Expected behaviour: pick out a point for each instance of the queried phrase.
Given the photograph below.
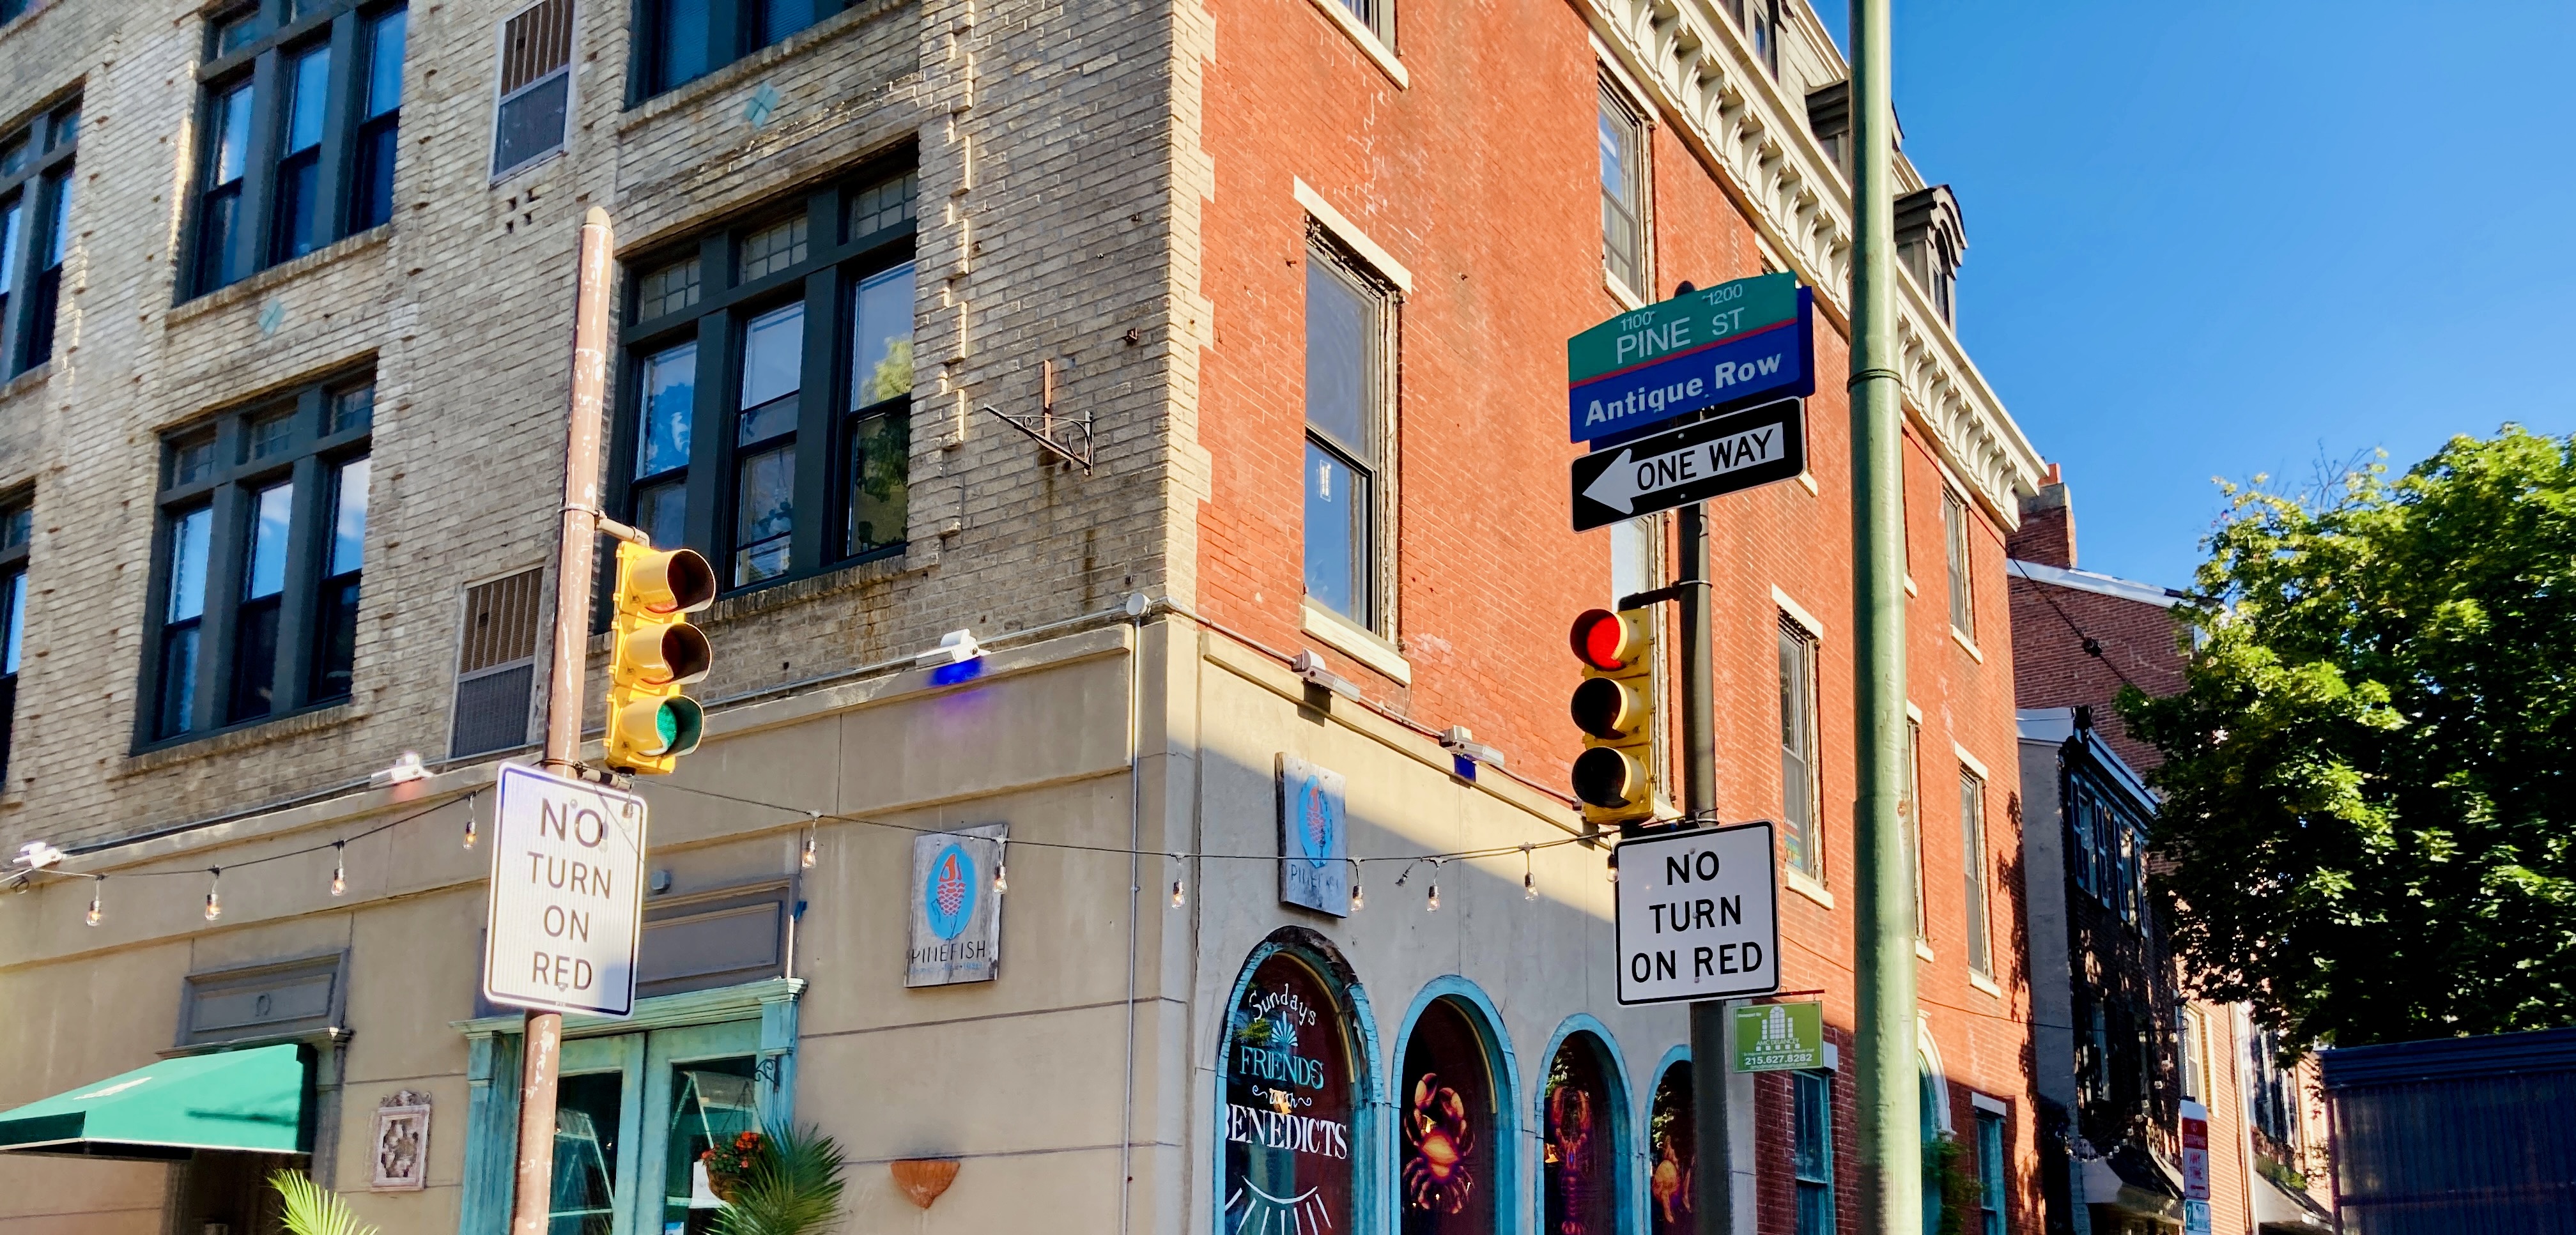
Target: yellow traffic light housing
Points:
(653, 653)
(1614, 777)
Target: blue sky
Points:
(2225, 239)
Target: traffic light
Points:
(1614, 777)
(654, 652)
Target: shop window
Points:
(1291, 1087)
(35, 233)
(1811, 1149)
(680, 41)
(1579, 1159)
(1349, 319)
(17, 522)
(1672, 1151)
(1447, 1156)
(635, 1108)
(768, 394)
(302, 116)
(261, 553)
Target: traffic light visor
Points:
(661, 655)
(1606, 640)
(1609, 778)
(668, 580)
(1609, 708)
(661, 727)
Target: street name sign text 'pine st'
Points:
(1702, 459)
(1698, 915)
(1725, 346)
(567, 909)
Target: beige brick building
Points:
(285, 347)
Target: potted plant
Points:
(312, 1209)
(727, 1162)
(789, 1184)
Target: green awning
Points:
(249, 1100)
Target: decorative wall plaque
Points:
(402, 1142)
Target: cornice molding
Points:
(1691, 57)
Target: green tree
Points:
(2370, 786)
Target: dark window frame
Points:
(350, 165)
(311, 456)
(1975, 862)
(1811, 1151)
(742, 26)
(826, 283)
(1958, 555)
(31, 270)
(17, 523)
(1807, 833)
(1371, 462)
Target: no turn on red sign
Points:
(1698, 915)
(567, 895)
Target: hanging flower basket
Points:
(728, 1162)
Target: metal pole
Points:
(533, 1200)
(1890, 1144)
(1713, 1172)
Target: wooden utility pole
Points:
(533, 1200)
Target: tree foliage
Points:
(312, 1209)
(2370, 786)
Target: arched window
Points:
(1446, 1154)
(1579, 1161)
(1672, 1152)
(1290, 1096)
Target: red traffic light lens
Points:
(1601, 640)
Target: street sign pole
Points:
(541, 1048)
(1713, 1179)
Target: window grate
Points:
(536, 43)
(501, 622)
(496, 664)
(536, 85)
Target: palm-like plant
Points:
(312, 1209)
(792, 1188)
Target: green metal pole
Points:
(1890, 1138)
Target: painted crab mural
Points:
(1436, 1127)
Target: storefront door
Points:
(634, 1112)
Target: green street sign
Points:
(1780, 1037)
(1681, 324)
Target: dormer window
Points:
(1932, 242)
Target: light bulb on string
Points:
(1180, 891)
(1359, 895)
(806, 858)
(215, 893)
(339, 868)
(98, 884)
(470, 800)
(1432, 905)
(1001, 867)
(1529, 875)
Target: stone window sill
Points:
(234, 741)
(1984, 983)
(1349, 639)
(258, 285)
(1806, 885)
(1377, 52)
(1967, 645)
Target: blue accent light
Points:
(962, 671)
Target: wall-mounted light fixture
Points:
(1310, 667)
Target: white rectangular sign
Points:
(567, 895)
(1698, 915)
(956, 931)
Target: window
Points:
(1447, 1153)
(1972, 859)
(2093, 1063)
(793, 456)
(1580, 1156)
(1623, 191)
(1811, 1150)
(680, 41)
(2187, 1047)
(1761, 20)
(35, 232)
(1954, 533)
(2084, 818)
(1375, 16)
(263, 532)
(1990, 1172)
(1914, 826)
(2124, 893)
(12, 10)
(303, 108)
(1294, 1071)
(1801, 831)
(1346, 408)
(17, 520)
(1672, 1150)
(536, 85)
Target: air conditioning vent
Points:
(496, 664)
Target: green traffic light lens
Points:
(666, 725)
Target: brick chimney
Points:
(2047, 532)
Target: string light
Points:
(1180, 892)
(98, 884)
(1529, 874)
(339, 868)
(1359, 895)
(215, 893)
(1433, 905)
(1002, 866)
(469, 818)
(806, 859)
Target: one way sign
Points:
(1699, 460)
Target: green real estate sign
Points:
(1780, 1037)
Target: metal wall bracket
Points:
(1042, 428)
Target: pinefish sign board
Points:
(956, 900)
